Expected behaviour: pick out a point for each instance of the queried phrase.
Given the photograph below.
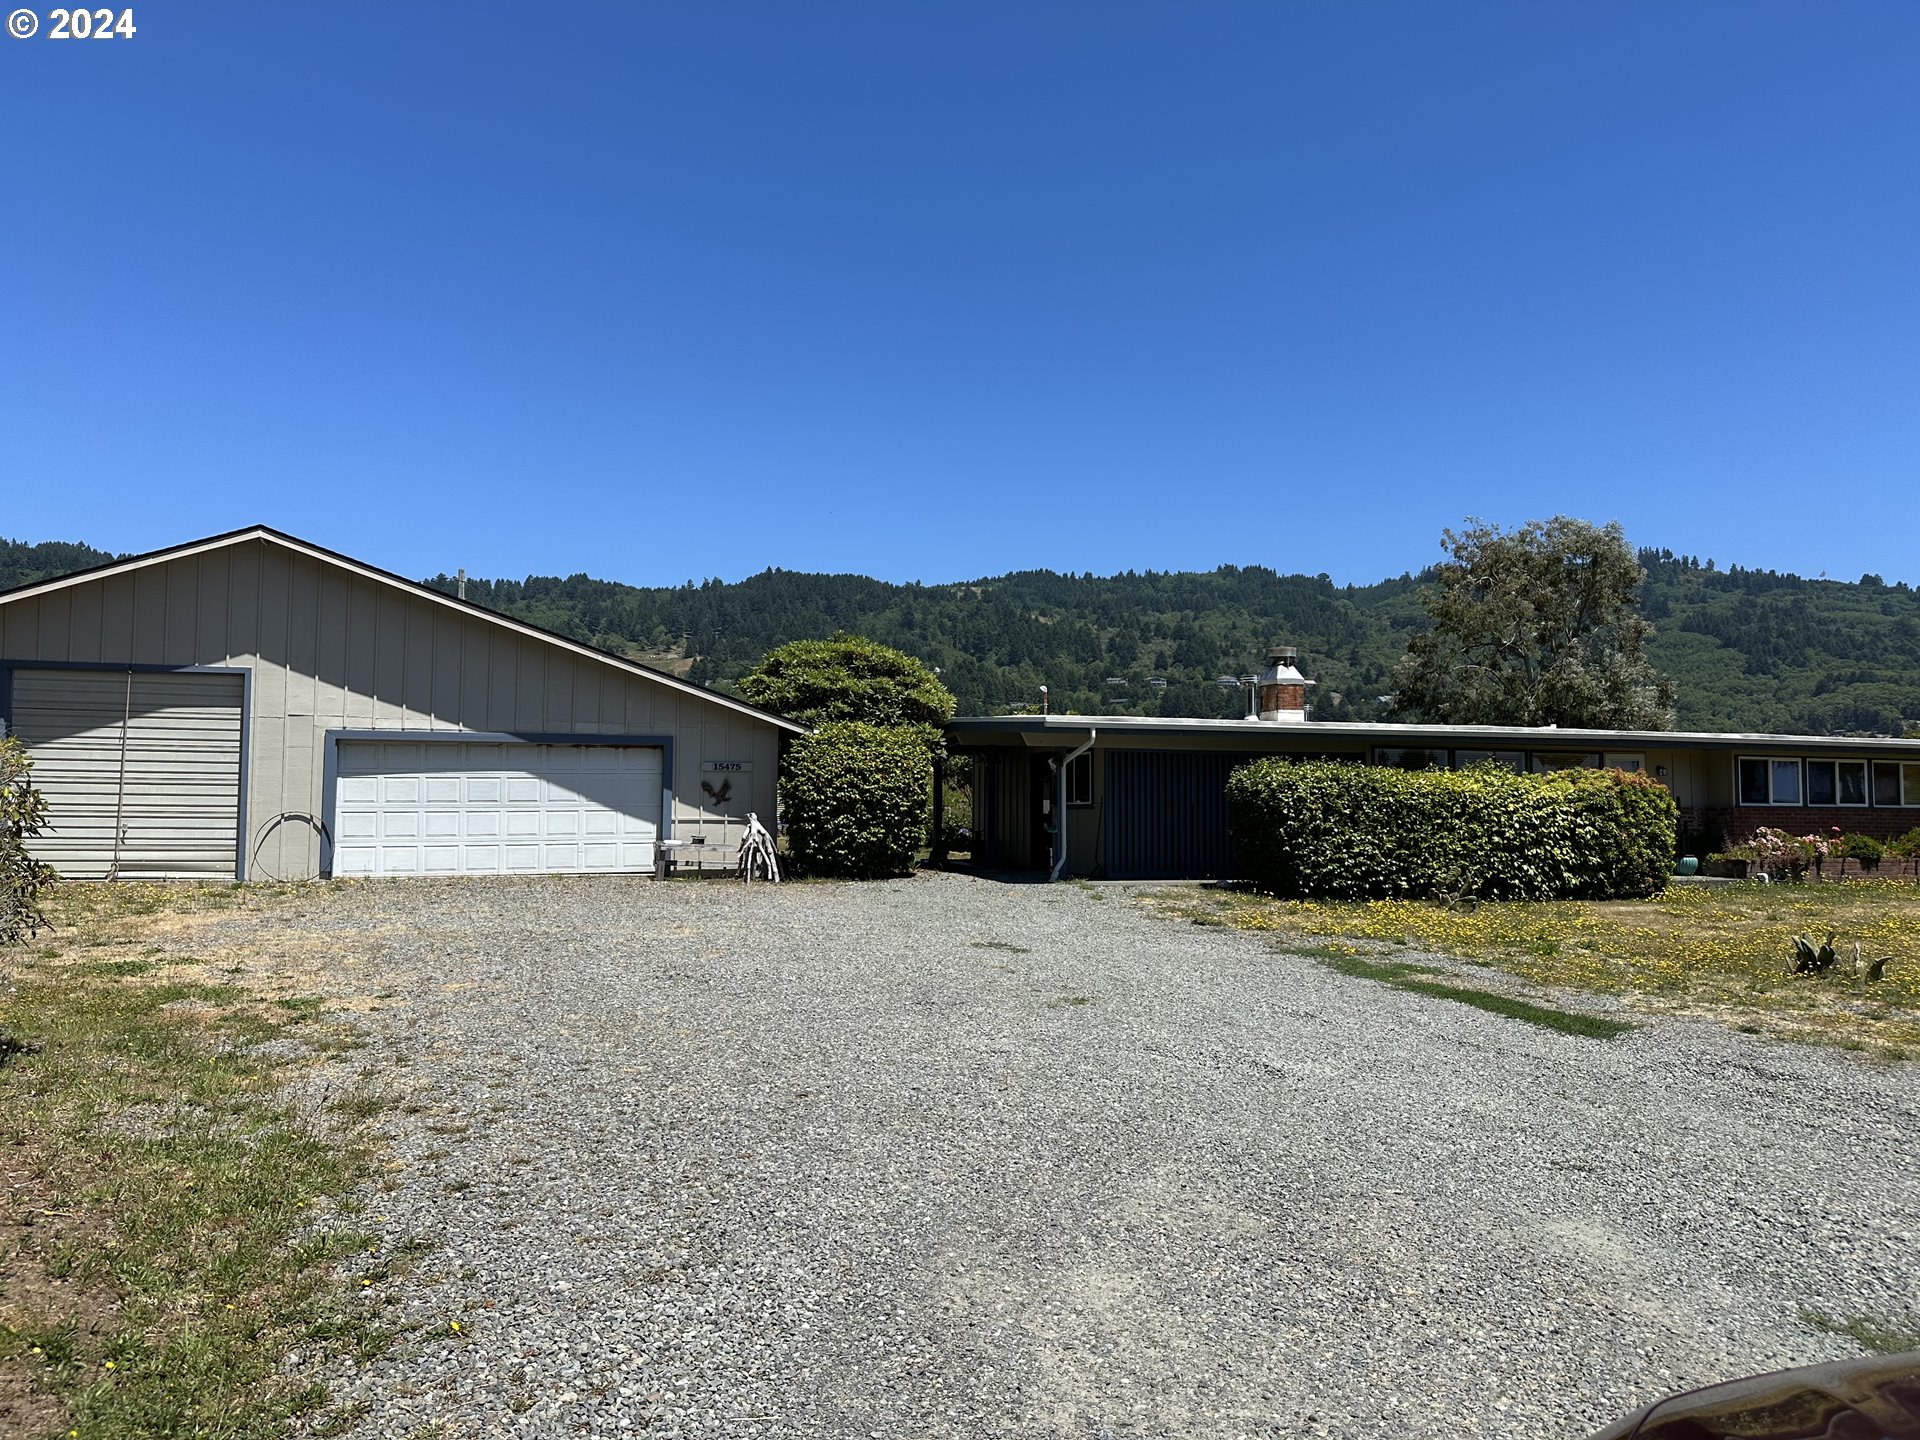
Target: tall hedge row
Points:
(1343, 831)
(855, 798)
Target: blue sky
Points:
(937, 291)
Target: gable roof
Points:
(400, 582)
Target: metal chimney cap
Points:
(1282, 652)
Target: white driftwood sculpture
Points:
(756, 852)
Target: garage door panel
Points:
(539, 808)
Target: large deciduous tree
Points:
(1536, 626)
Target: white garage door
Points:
(140, 770)
(469, 808)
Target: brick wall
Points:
(1738, 825)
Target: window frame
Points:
(1909, 794)
(1771, 764)
(1806, 766)
(1440, 757)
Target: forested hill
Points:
(1750, 649)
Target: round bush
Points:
(855, 799)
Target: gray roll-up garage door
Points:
(141, 771)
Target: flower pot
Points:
(1687, 865)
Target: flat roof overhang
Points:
(1049, 731)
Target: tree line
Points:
(1747, 649)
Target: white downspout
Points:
(1060, 807)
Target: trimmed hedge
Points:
(1368, 832)
(855, 799)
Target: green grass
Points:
(160, 1269)
(1713, 951)
(1875, 1335)
(1414, 978)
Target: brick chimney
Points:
(1283, 689)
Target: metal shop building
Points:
(1145, 798)
(255, 706)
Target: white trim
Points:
(1909, 799)
(464, 607)
(1865, 802)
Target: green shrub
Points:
(855, 799)
(1345, 831)
(849, 678)
(1906, 847)
(23, 879)
(1863, 848)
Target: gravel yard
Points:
(947, 1157)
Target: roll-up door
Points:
(445, 807)
(140, 770)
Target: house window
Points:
(1402, 759)
(1080, 780)
(1895, 784)
(1836, 782)
(1886, 784)
(1545, 762)
(1769, 782)
(1853, 781)
(1822, 787)
(1632, 764)
(1514, 760)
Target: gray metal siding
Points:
(141, 772)
(1166, 814)
(333, 650)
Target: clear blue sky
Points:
(941, 290)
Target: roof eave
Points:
(333, 557)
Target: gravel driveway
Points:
(944, 1157)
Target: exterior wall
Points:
(331, 650)
(1737, 824)
(1003, 780)
(1701, 779)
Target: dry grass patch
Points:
(171, 1223)
(1718, 951)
